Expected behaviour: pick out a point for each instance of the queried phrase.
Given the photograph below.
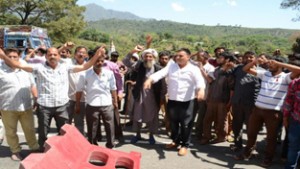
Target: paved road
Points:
(217, 156)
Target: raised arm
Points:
(15, 64)
(295, 70)
(67, 45)
(99, 53)
(156, 77)
(29, 55)
(251, 67)
(148, 41)
(126, 61)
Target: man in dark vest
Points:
(146, 102)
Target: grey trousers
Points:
(78, 118)
(45, 114)
(92, 119)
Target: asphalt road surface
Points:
(216, 156)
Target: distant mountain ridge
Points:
(95, 12)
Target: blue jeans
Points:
(294, 144)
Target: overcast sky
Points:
(247, 13)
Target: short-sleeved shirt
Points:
(246, 87)
(52, 84)
(273, 90)
(15, 89)
(73, 80)
(98, 87)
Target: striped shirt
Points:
(52, 84)
(15, 89)
(273, 90)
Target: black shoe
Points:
(130, 123)
(235, 148)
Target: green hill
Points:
(169, 35)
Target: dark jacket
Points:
(140, 79)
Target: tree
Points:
(296, 46)
(294, 4)
(94, 35)
(63, 18)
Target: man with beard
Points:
(268, 105)
(73, 107)
(52, 84)
(146, 102)
(217, 51)
(101, 98)
(163, 58)
(218, 101)
(185, 83)
(246, 88)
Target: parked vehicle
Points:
(23, 36)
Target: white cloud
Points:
(232, 2)
(177, 7)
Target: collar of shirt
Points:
(10, 69)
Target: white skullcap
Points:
(135, 55)
(152, 51)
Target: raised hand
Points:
(138, 48)
(69, 45)
(101, 51)
(148, 41)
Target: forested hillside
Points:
(172, 35)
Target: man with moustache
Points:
(79, 114)
(218, 101)
(185, 83)
(16, 87)
(52, 84)
(246, 88)
(146, 102)
(109, 65)
(101, 98)
(268, 105)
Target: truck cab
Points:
(23, 36)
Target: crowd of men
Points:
(215, 96)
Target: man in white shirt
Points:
(185, 83)
(16, 87)
(205, 68)
(52, 84)
(78, 116)
(101, 98)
